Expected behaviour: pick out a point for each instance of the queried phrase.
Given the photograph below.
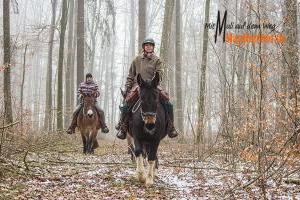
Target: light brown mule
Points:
(88, 124)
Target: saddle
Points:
(133, 94)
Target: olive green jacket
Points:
(146, 67)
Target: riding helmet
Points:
(148, 41)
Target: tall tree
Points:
(80, 42)
(69, 72)
(165, 38)
(290, 56)
(93, 27)
(48, 108)
(22, 84)
(178, 73)
(142, 22)
(63, 25)
(202, 81)
(132, 30)
(7, 64)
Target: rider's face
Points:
(148, 48)
(89, 79)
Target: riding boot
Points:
(172, 131)
(103, 127)
(122, 124)
(73, 125)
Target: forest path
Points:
(61, 171)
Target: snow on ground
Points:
(109, 174)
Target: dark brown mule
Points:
(147, 127)
(88, 124)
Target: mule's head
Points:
(88, 104)
(149, 97)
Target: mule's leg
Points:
(94, 142)
(130, 148)
(84, 142)
(156, 166)
(90, 141)
(140, 170)
(151, 159)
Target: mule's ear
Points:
(155, 80)
(139, 80)
(123, 93)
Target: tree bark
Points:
(69, 72)
(132, 30)
(178, 73)
(7, 63)
(59, 116)
(202, 83)
(290, 56)
(48, 108)
(80, 42)
(165, 38)
(22, 84)
(142, 22)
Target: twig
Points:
(9, 125)
(292, 181)
(88, 163)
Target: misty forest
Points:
(234, 99)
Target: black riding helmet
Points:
(148, 41)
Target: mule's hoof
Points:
(121, 135)
(70, 131)
(141, 177)
(173, 133)
(105, 130)
(149, 181)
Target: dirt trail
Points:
(63, 172)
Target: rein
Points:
(137, 105)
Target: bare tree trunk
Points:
(202, 82)
(22, 84)
(63, 25)
(74, 68)
(107, 77)
(112, 80)
(178, 56)
(290, 56)
(142, 22)
(69, 72)
(7, 63)
(80, 42)
(165, 38)
(170, 68)
(48, 108)
(132, 30)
